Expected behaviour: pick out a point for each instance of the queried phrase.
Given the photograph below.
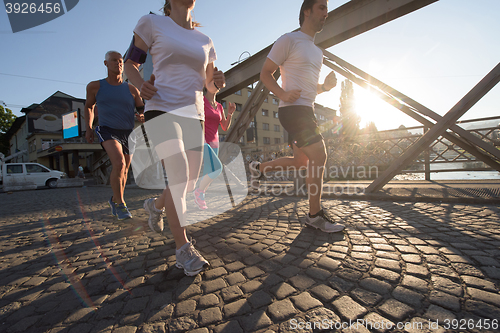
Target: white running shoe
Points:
(191, 260)
(322, 222)
(155, 220)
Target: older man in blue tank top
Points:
(116, 102)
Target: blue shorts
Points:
(105, 133)
(212, 165)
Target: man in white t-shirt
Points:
(300, 60)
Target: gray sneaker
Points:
(322, 222)
(155, 220)
(190, 259)
(255, 175)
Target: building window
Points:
(252, 124)
(267, 141)
(266, 100)
(276, 101)
(277, 128)
(265, 127)
(275, 114)
(222, 137)
(238, 106)
(265, 113)
(238, 93)
(277, 141)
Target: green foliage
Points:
(7, 118)
(349, 118)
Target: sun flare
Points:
(371, 108)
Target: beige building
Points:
(265, 137)
(39, 136)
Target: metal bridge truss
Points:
(380, 149)
(347, 21)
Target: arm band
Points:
(135, 54)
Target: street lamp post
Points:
(239, 59)
(255, 117)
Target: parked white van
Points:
(22, 173)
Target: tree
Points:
(7, 118)
(371, 128)
(350, 120)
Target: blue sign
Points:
(71, 124)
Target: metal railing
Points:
(79, 140)
(365, 155)
(380, 149)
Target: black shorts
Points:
(105, 133)
(301, 124)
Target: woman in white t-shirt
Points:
(183, 63)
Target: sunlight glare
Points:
(371, 108)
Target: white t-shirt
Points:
(180, 58)
(300, 63)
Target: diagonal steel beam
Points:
(344, 22)
(358, 16)
(472, 139)
(481, 89)
(480, 155)
(247, 113)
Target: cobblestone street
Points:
(67, 265)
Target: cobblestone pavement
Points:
(68, 266)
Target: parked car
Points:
(19, 173)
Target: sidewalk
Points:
(66, 265)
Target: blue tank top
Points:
(115, 106)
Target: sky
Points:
(434, 55)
